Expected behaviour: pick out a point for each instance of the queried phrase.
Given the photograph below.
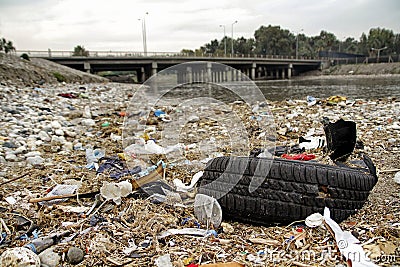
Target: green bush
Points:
(60, 78)
(25, 56)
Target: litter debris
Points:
(314, 220)
(207, 210)
(115, 191)
(348, 244)
(164, 261)
(180, 186)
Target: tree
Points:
(273, 40)
(187, 52)
(6, 46)
(79, 50)
(244, 46)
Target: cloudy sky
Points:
(175, 24)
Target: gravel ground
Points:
(46, 127)
(44, 133)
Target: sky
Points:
(172, 25)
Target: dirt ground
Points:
(128, 234)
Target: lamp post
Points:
(144, 33)
(297, 44)
(224, 39)
(232, 37)
(379, 51)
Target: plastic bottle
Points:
(40, 244)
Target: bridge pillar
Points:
(86, 66)
(290, 71)
(153, 68)
(253, 71)
(189, 75)
(283, 73)
(209, 73)
(276, 74)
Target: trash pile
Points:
(72, 194)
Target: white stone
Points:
(58, 140)
(193, 118)
(55, 125)
(33, 154)
(36, 160)
(87, 113)
(44, 136)
(68, 146)
(397, 177)
(49, 258)
(19, 256)
(11, 157)
(59, 132)
(70, 133)
(88, 122)
(20, 150)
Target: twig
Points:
(5, 226)
(14, 179)
(389, 170)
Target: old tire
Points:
(286, 190)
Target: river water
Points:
(366, 87)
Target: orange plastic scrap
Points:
(226, 264)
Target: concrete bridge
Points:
(255, 67)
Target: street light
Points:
(144, 33)
(232, 37)
(297, 43)
(379, 51)
(224, 40)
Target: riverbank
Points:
(35, 72)
(44, 134)
(361, 70)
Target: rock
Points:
(44, 136)
(49, 258)
(78, 146)
(11, 157)
(397, 177)
(392, 140)
(55, 125)
(36, 160)
(9, 144)
(87, 113)
(70, 133)
(59, 132)
(88, 122)
(20, 150)
(2, 160)
(193, 118)
(68, 146)
(57, 140)
(19, 257)
(75, 255)
(33, 154)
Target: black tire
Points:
(288, 190)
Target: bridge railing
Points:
(57, 53)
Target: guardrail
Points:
(51, 53)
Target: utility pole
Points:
(144, 33)
(232, 37)
(297, 44)
(224, 40)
